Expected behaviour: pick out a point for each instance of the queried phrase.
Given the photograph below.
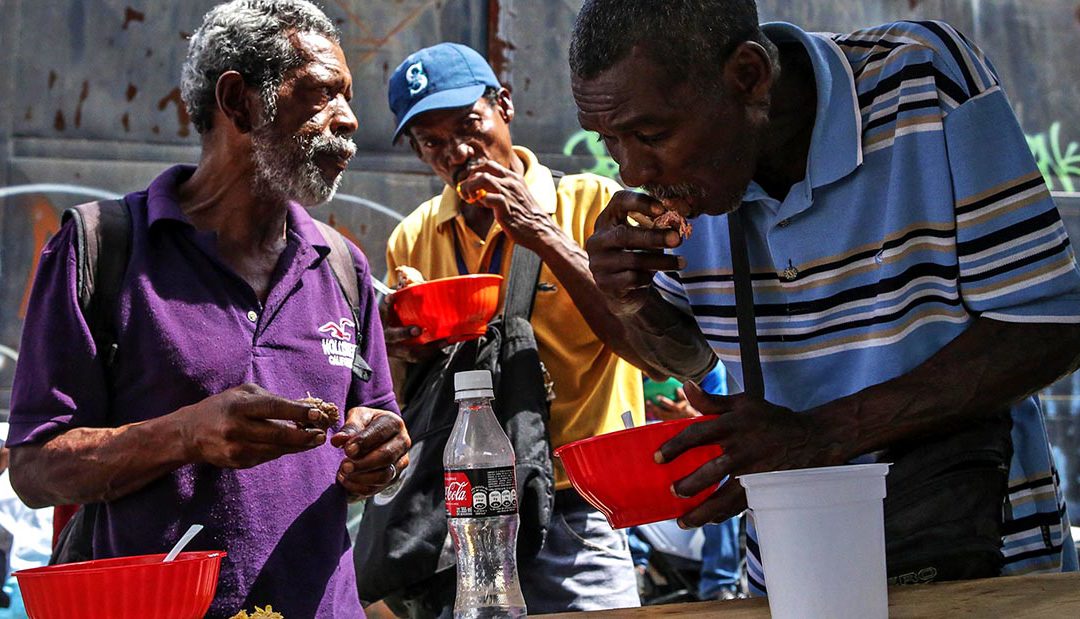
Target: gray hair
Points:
(685, 37)
(250, 37)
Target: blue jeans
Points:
(584, 565)
(720, 557)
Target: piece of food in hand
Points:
(472, 198)
(260, 613)
(328, 408)
(407, 276)
(668, 220)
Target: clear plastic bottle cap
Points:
(473, 384)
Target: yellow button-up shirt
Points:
(593, 386)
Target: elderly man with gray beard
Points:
(230, 314)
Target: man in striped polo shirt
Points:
(913, 283)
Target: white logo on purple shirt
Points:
(337, 330)
(339, 351)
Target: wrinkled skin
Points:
(692, 153)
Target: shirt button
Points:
(783, 223)
(252, 316)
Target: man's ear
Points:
(748, 74)
(236, 101)
(505, 106)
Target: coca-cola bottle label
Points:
(478, 493)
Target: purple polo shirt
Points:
(189, 328)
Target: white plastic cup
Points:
(821, 533)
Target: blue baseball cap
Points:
(439, 77)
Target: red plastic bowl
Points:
(123, 588)
(451, 308)
(617, 475)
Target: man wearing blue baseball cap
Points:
(456, 115)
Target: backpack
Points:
(99, 280)
(402, 551)
(402, 541)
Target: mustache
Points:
(678, 191)
(334, 146)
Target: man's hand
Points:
(246, 426)
(624, 258)
(504, 192)
(376, 446)
(401, 344)
(756, 436)
(666, 409)
(401, 339)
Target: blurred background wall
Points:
(90, 107)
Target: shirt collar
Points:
(163, 203)
(537, 178)
(836, 142)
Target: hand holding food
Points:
(327, 408)
(471, 197)
(247, 425)
(407, 276)
(668, 220)
(504, 191)
(623, 257)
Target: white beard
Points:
(285, 167)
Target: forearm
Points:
(88, 465)
(570, 264)
(670, 340)
(990, 366)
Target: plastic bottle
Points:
(481, 505)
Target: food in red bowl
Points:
(123, 588)
(616, 472)
(452, 308)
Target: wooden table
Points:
(1043, 596)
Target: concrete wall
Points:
(89, 99)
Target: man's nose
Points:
(343, 123)
(460, 152)
(636, 168)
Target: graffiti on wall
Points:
(1059, 164)
(588, 143)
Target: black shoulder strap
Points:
(524, 273)
(341, 263)
(103, 249)
(753, 383)
(521, 284)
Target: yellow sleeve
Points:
(591, 194)
(396, 254)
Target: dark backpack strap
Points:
(103, 248)
(753, 383)
(103, 224)
(521, 284)
(524, 273)
(341, 263)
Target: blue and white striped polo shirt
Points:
(921, 210)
